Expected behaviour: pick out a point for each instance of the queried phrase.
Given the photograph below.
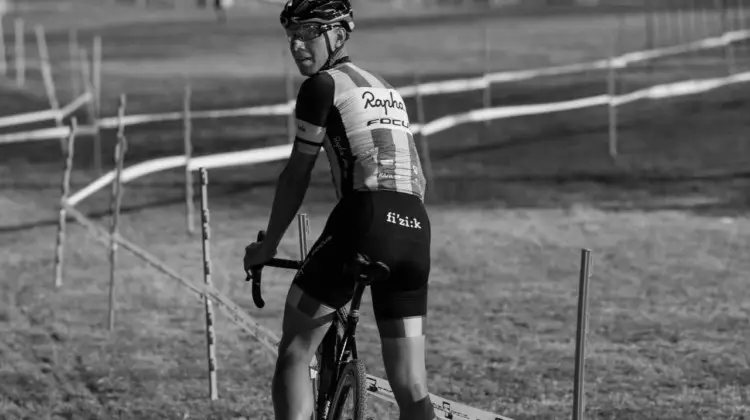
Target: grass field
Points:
(516, 201)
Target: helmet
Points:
(324, 12)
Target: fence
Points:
(281, 152)
(420, 90)
(85, 75)
(378, 387)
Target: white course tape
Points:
(44, 134)
(77, 103)
(39, 116)
(515, 76)
(29, 117)
(257, 111)
(274, 153)
(221, 160)
(431, 88)
(686, 87)
(449, 121)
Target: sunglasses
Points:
(306, 33)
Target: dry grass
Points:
(669, 307)
(668, 329)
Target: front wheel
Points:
(350, 400)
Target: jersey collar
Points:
(342, 60)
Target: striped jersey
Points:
(361, 122)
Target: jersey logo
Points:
(388, 121)
(405, 221)
(389, 103)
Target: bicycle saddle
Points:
(366, 271)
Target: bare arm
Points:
(290, 191)
(314, 103)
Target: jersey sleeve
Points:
(314, 103)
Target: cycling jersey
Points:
(362, 123)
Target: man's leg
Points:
(403, 344)
(305, 323)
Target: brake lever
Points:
(254, 275)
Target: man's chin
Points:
(307, 70)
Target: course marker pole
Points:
(303, 228)
(115, 204)
(74, 62)
(582, 326)
(187, 125)
(487, 56)
(729, 53)
(291, 121)
(424, 151)
(20, 53)
(49, 81)
(96, 71)
(210, 332)
(612, 92)
(68, 168)
(91, 110)
(649, 15)
(3, 62)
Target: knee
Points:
(294, 351)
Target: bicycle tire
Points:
(351, 381)
(326, 355)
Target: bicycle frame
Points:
(344, 350)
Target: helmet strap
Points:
(332, 53)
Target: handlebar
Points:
(254, 274)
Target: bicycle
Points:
(337, 371)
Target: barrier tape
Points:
(262, 334)
(257, 111)
(221, 160)
(378, 387)
(444, 123)
(426, 89)
(687, 87)
(30, 117)
(39, 116)
(44, 134)
(466, 85)
(276, 153)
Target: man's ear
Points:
(341, 36)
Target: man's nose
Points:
(296, 44)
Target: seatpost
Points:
(353, 318)
(349, 344)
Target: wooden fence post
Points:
(115, 204)
(61, 222)
(187, 125)
(210, 332)
(20, 53)
(424, 151)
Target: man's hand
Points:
(256, 254)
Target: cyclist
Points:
(362, 123)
